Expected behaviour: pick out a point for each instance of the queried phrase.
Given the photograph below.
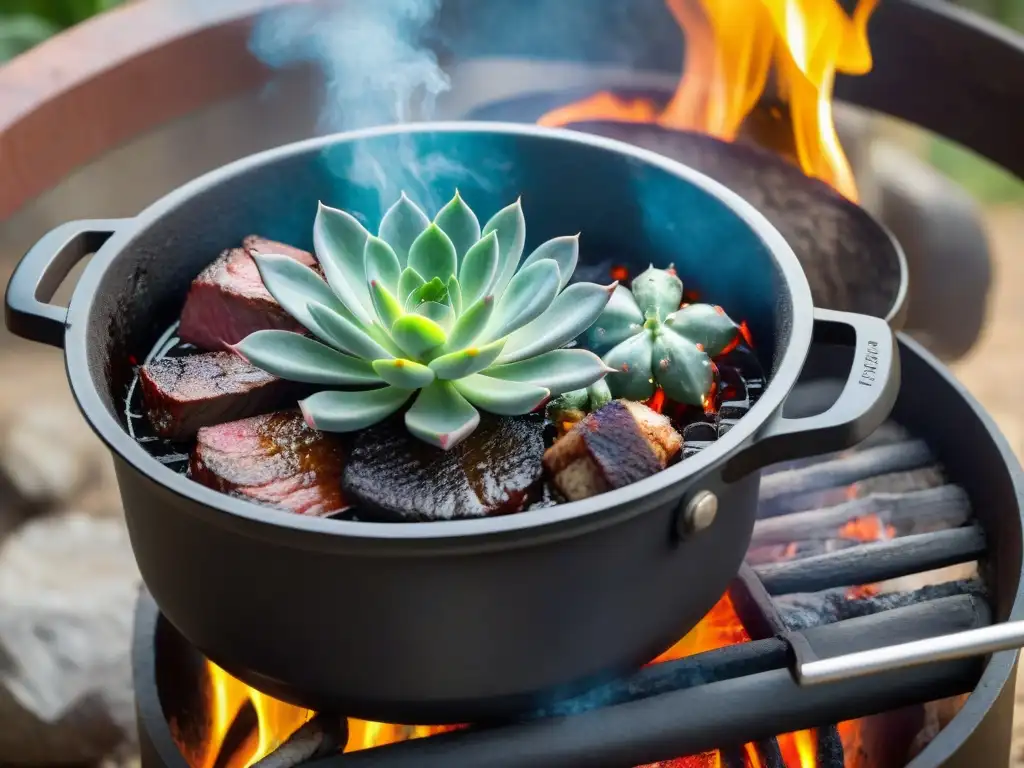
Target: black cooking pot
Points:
(461, 620)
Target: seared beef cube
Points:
(182, 394)
(393, 476)
(618, 444)
(228, 300)
(275, 459)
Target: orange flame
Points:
(731, 48)
(867, 529)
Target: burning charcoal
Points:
(617, 445)
(273, 459)
(228, 300)
(395, 477)
(182, 394)
(699, 432)
(812, 609)
(732, 410)
(724, 426)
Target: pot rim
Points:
(627, 501)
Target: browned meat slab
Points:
(182, 394)
(228, 300)
(393, 476)
(273, 459)
(616, 445)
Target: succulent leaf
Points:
(440, 313)
(345, 335)
(573, 311)
(527, 296)
(620, 319)
(381, 264)
(510, 227)
(441, 416)
(470, 324)
(339, 241)
(455, 294)
(295, 285)
(434, 290)
(348, 411)
(401, 225)
(631, 360)
(478, 268)
(458, 221)
(408, 282)
(433, 255)
(682, 368)
(466, 362)
(560, 370)
(564, 251)
(297, 358)
(407, 374)
(445, 308)
(417, 335)
(704, 324)
(385, 305)
(599, 394)
(505, 398)
(657, 292)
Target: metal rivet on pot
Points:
(699, 513)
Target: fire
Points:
(867, 529)
(732, 46)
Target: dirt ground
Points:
(996, 364)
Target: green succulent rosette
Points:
(438, 311)
(651, 342)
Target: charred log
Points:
(869, 563)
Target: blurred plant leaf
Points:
(24, 23)
(19, 33)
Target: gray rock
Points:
(48, 454)
(68, 584)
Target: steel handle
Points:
(959, 645)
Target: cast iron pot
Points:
(463, 620)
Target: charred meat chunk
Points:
(395, 477)
(275, 459)
(618, 444)
(228, 300)
(182, 394)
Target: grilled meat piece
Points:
(182, 394)
(618, 444)
(228, 300)
(393, 476)
(275, 459)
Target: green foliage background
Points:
(24, 23)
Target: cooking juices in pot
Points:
(476, 344)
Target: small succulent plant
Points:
(651, 342)
(441, 308)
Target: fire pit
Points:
(918, 75)
(912, 499)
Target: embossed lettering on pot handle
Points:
(865, 402)
(40, 273)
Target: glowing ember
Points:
(731, 48)
(867, 529)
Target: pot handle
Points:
(863, 405)
(40, 273)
